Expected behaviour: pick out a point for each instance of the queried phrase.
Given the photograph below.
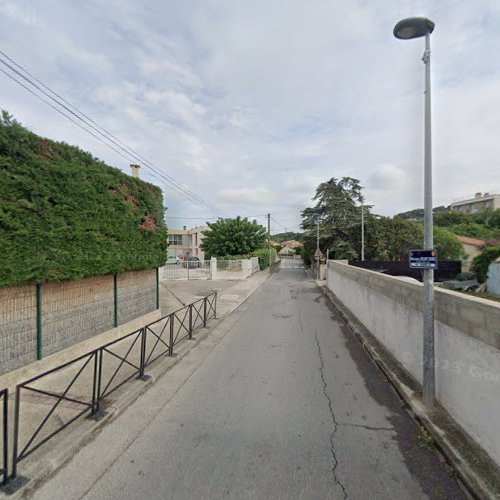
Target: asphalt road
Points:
(286, 406)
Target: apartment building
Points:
(186, 242)
(481, 201)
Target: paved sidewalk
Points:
(36, 405)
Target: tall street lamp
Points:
(362, 228)
(417, 27)
(317, 243)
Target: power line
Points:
(103, 133)
(182, 190)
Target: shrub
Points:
(263, 255)
(481, 262)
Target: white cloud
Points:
(253, 104)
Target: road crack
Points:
(332, 415)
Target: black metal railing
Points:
(172, 329)
(4, 395)
(97, 374)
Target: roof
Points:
(465, 240)
(493, 243)
(292, 244)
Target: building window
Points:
(175, 239)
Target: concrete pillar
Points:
(213, 268)
(246, 267)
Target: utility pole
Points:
(269, 237)
(317, 244)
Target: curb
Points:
(471, 463)
(39, 472)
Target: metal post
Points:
(157, 288)
(16, 432)
(38, 321)
(205, 312)
(428, 371)
(362, 229)
(269, 237)
(5, 436)
(317, 243)
(99, 378)
(190, 312)
(215, 306)
(93, 410)
(115, 291)
(171, 346)
(142, 361)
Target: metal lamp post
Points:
(317, 243)
(417, 27)
(362, 228)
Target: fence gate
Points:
(187, 270)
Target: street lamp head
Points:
(413, 27)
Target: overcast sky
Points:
(251, 104)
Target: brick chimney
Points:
(135, 170)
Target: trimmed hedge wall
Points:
(65, 215)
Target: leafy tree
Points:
(396, 237)
(338, 209)
(447, 244)
(233, 237)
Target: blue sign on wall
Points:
(423, 259)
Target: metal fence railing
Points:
(4, 396)
(47, 404)
(187, 270)
(165, 333)
(229, 265)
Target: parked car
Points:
(463, 281)
(173, 260)
(192, 262)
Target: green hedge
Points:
(263, 255)
(65, 215)
(481, 262)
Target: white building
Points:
(186, 242)
(477, 204)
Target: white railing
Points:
(187, 270)
(214, 269)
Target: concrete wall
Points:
(72, 311)
(467, 342)
(493, 282)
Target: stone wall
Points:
(71, 312)
(467, 342)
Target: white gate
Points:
(187, 270)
